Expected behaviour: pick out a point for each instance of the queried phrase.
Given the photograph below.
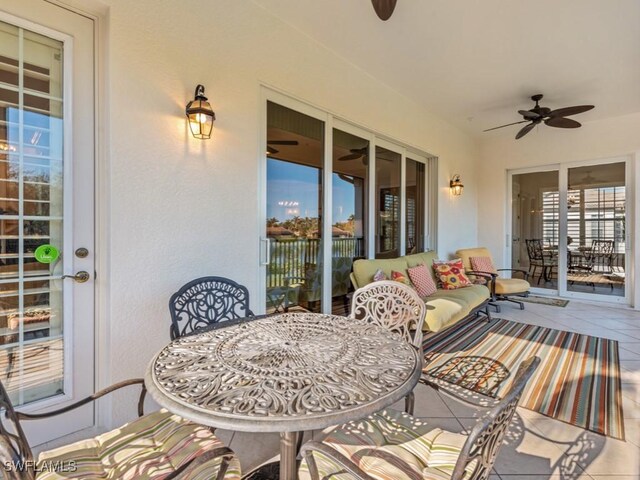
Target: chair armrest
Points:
(307, 453)
(523, 272)
(91, 398)
(477, 273)
(489, 276)
(185, 470)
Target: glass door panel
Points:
(295, 155)
(387, 192)
(349, 215)
(596, 229)
(31, 214)
(535, 226)
(416, 193)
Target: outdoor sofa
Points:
(449, 306)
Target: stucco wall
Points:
(604, 139)
(181, 208)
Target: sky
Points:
(292, 190)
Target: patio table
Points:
(285, 373)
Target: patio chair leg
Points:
(409, 402)
(515, 301)
(494, 305)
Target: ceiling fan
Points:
(553, 118)
(355, 154)
(273, 151)
(384, 8)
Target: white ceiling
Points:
(476, 62)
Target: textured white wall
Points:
(182, 208)
(546, 146)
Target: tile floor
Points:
(537, 447)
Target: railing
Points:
(289, 257)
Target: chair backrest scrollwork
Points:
(206, 301)
(392, 305)
(534, 249)
(486, 437)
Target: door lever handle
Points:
(79, 277)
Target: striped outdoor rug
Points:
(578, 380)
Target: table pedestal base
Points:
(287, 467)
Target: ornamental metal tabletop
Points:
(284, 373)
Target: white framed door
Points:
(581, 215)
(47, 212)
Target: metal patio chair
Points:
(391, 444)
(206, 301)
(396, 307)
(157, 446)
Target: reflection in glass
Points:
(535, 226)
(596, 228)
(31, 208)
(416, 186)
(295, 153)
(387, 203)
(349, 216)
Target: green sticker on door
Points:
(46, 253)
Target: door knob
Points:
(79, 277)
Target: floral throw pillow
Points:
(451, 274)
(379, 275)
(422, 280)
(400, 277)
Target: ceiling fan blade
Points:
(526, 129)
(507, 125)
(351, 156)
(562, 122)
(384, 8)
(271, 150)
(282, 142)
(528, 115)
(568, 111)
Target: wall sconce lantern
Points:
(456, 185)
(200, 115)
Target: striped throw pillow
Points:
(422, 280)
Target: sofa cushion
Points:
(363, 270)
(505, 286)
(453, 305)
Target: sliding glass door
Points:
(569, 229)
(596, 229)
(333, 193)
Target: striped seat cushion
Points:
(150, 447)
(375, 442)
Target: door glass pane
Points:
(596, 227)
(416, 190)
(349, 216)
(295, 153)
(31, 139)
(387, 203)
(535, 227)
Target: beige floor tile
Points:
(254, 449)
(592, 452)
(429, 404)
(631, 390)
(615, 477)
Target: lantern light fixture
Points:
(455, 184)
(200, 115)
